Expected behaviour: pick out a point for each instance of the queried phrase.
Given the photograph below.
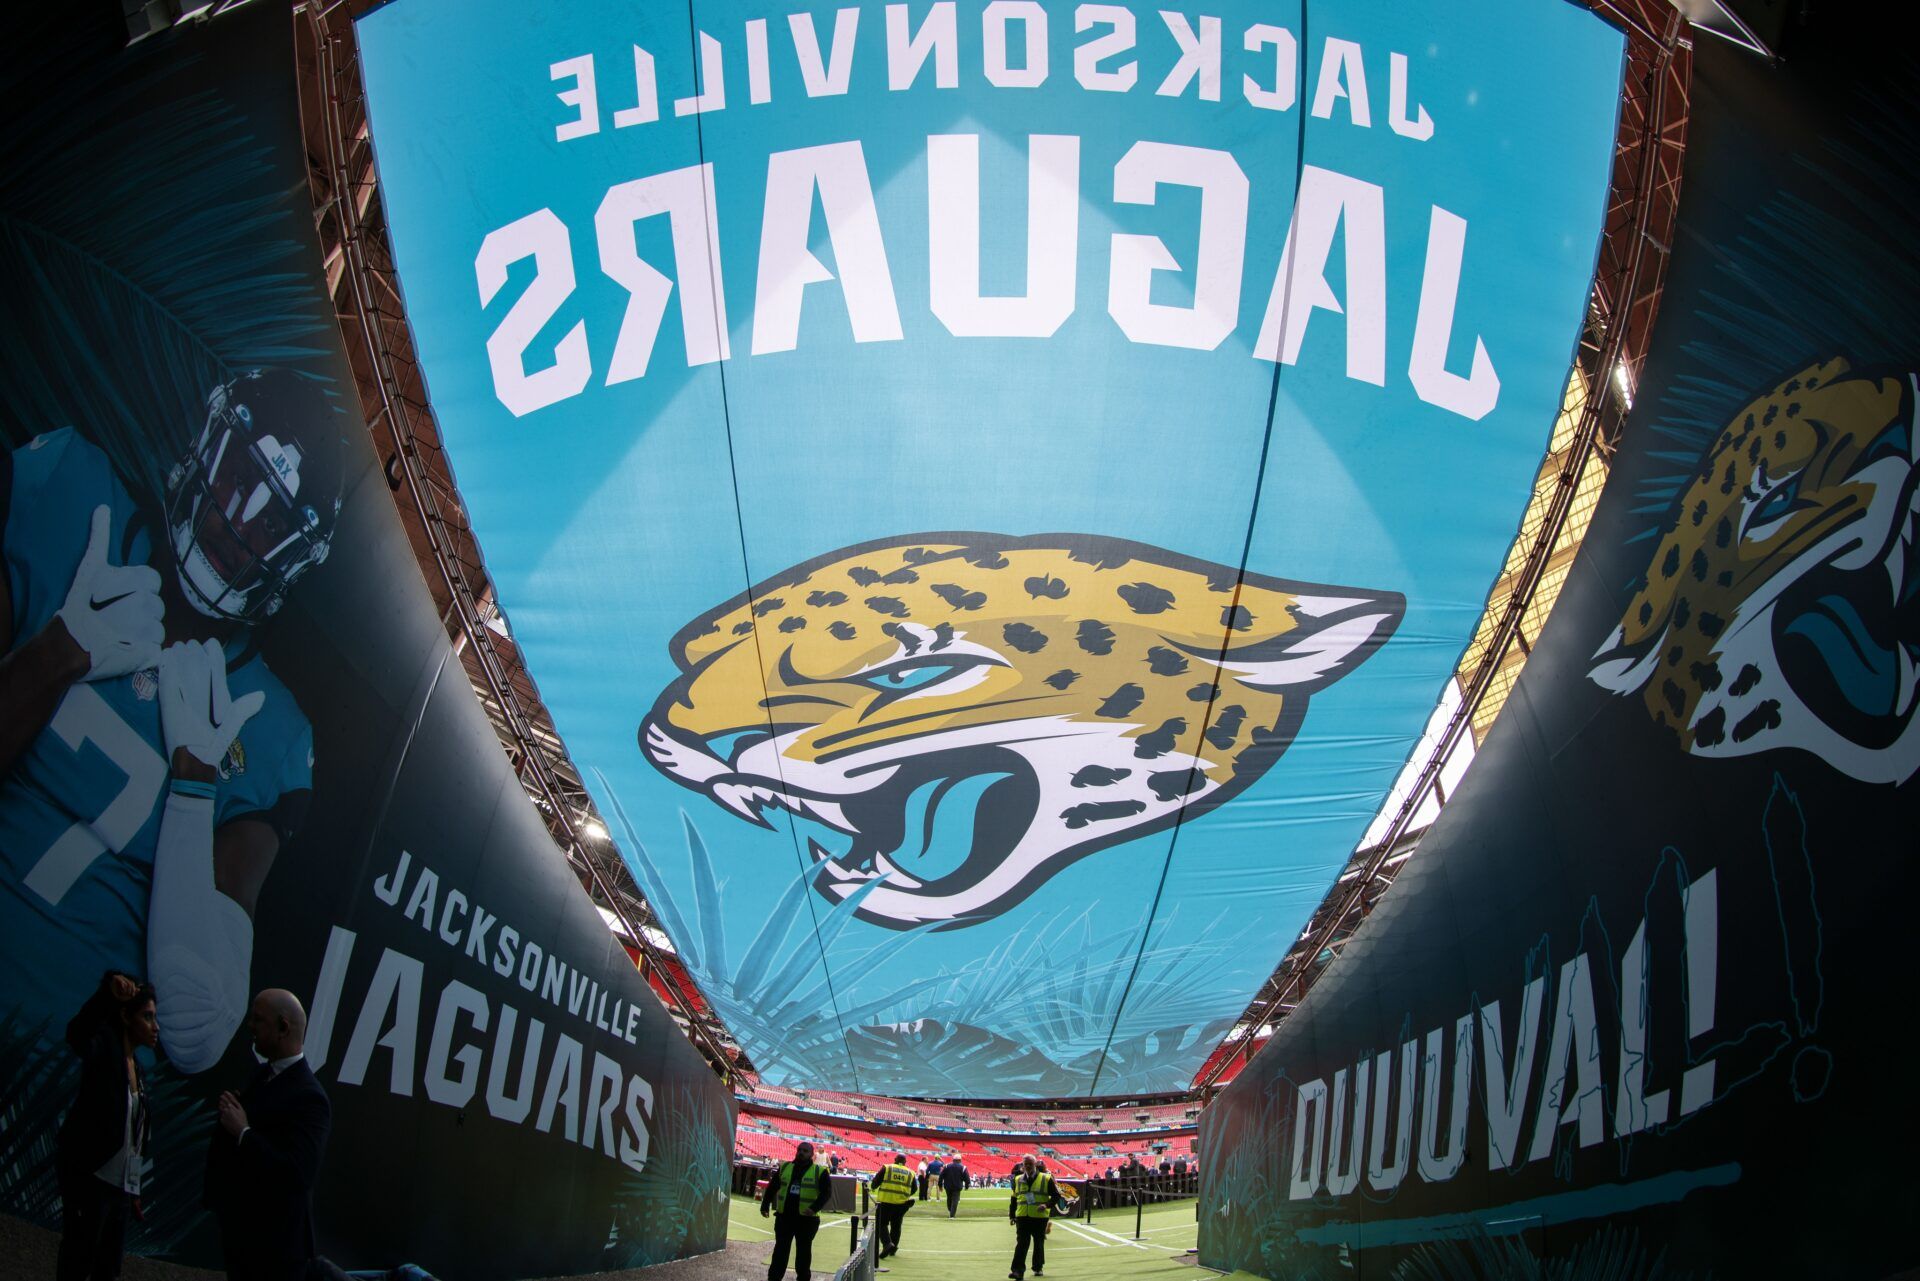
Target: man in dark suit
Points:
(265, 1157)
(953, 1179)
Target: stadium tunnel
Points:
(1305, 612)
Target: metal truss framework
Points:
(361, 280)
(1642, 204)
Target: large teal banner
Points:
(991, 493)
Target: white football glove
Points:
(195, 710)
(199, 941)
(113, 612)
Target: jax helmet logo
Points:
(959, 716)
(1781, 607)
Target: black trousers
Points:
(93, 1228)
(1029, 1230)
(245, 1259)
(889, 1218)
(953, 1202)
(795, 1231)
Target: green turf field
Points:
(980, 1243)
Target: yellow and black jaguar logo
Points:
(1780, 607)
(959, 716)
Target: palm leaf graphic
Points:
(141, 266)
(1055, 983)
(1612, 1254)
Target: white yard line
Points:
(1138, 1245)
(754, 1227)
(1080, 1231)
(1006, 1251)
(738, 1218)
(1112, 1238)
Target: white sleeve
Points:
(199, 941)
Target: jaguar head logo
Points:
(1780, 607)
(960, 716)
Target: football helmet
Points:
(252, 505)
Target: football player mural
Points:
(151, 765)
(204, 579)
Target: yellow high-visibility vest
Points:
(894, 1185)
(809, 1188)
(1033, 1198)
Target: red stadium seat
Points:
(867, 1131)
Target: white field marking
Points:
(1003, 1251)
(1080, 1231)
(1106, 1237)
(748, 1227)
(1138, 1245)
(825, 1224)
(1155, 1245)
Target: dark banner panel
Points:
(1635, 1009)
(236, 749)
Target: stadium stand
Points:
(763, 1138)
(973, 1118)
(868, 1130)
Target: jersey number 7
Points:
(84, 716)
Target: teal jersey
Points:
(80, 809)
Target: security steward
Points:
(795, 1196)
(1035, 1198)
(892, 1194)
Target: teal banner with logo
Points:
(992, 493)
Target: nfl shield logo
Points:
(235, 761)
(146, 683)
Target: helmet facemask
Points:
(239, 526)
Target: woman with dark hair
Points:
(102, 1146)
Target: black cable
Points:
(740, 526)
(1246, 545)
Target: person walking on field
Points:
(931, 1187)
(1035, 1199)
(795, 1196)
(892, 1194)
(953, 1180)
